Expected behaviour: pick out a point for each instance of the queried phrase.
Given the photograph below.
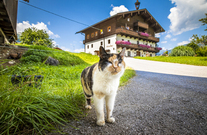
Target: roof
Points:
(144, 12)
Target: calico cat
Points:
(101, 82)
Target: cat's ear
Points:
(122, 53)
(102, 52)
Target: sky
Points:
(179, 18)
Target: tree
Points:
(36, 37)
(204, 20)
(193, 45)
(200, 41)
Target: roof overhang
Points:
(142, 12)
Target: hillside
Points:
(58, 97)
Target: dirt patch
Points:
(6, 50)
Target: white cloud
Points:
(64, 48)
(48, 23)
(168, 36)
(119, 9)
(183, 43)
(81, 42)
(79, 50)
(157, 35)
(174, 39)
(164, 42)
(40, 26)
(185, 15)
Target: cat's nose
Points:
(115, 68)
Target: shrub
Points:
(202, 51)
(182, 51)
(34, 56)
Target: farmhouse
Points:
(134, 30)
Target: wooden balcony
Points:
(135, 34)
(137, 47)
(143, 25)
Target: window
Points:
(96, 33)
(101, 43)
(128, 19)
(122, 39)
(91, 45)
(128, 40)
(92, 35)
(109, 29)
(113, 48)
(87, 46)
(88, 36)
(101, 31)
(109, 41)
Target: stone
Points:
(52, 61)
(11, 62)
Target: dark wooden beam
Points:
(119, 17)
(3, 10)
(150, 18)
(154, 24)
(4, 16)
(123, 15)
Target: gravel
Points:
(153, 103)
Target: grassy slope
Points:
(60, 95)
(199, 61)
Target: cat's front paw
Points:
(111, 120)
(88, 107)
(100, 122)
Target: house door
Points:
(138, 53)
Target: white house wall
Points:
(97, 44)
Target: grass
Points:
(198, 61)
(25, 110)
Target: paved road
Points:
(166, 100)
(167, 68)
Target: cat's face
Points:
(112, 63)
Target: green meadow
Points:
(198, 61)
(59, 98)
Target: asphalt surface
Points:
(155, 102)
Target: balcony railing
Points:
(136, 34)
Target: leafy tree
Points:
(36, 37)
(200, 41)
(182, 51)
(204, 20)
(202, 51)
(193, 45)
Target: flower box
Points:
(144, 34)
(144, 46)
(123, 42)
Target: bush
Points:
(202, 51)
(34, 56)
(182, 51)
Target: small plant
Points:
(182, 51)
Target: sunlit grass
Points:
(26, 110)
(198, 61)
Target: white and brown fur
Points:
(101, 82)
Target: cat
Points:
(101, 82)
